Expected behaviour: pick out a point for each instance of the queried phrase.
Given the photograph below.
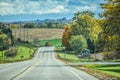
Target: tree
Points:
(87, 12)
(88, 27)
(65, 40)
(30, 25)
(91, 45)
(14, 28)
(2, 25)
(78, 43)
(44, 25)
(8, 32)
(112, 16)
(5, 42)
(111, 25)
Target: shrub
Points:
(78, 43)
(12, 52)
(47, 44)
(111, 56)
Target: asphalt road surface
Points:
(44, 66)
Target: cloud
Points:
(15, 7)
(4, 4)
(30, 7)
(87, 7)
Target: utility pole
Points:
(27, 35)
(24, 33)
(20, 31)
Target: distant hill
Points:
(62, 20)
(46, 23)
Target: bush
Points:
(111, 56)
(78, 43)
(47, 44)
(12, 52)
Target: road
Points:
(44, 66)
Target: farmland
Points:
(38, 33)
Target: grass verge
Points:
(102, 72)
(70, 56)
(111, 69)
(24, 53)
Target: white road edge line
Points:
(75, 74)
(20, 73)
(71, 71)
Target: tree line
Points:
(9, 39)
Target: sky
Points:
(28, 10)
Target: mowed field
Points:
(37, 33)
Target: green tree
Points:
(78, 43)
(87, 12)
(5, 42)
(88, 27)
(30, 25)
(2, 25)
(111, 25)
(112, 16)
(8, 32)
(43, 25)
(14, 28)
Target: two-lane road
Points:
(43, 67)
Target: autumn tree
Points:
(87, 26)
(65, 40)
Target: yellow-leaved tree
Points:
(88, 27)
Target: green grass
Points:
(24, 50)
(117, 60)
(53, 42)
(0, 53)
(109, 69)
(70, 56)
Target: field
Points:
(109, 69)
(52, 42)
(38, 33)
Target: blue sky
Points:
(27, 10)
